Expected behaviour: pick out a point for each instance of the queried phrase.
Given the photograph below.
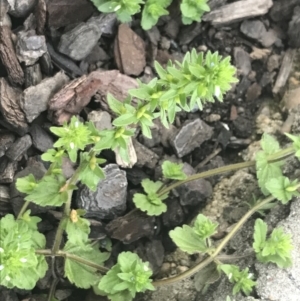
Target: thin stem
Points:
(52, 289)
(279, 156)
(23, 209)
(76, 258)
(67, 209)
(214, 255)
(207, 174)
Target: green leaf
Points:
(152, 205)
(260, 235)
(151, 187)
(266, 171)
(173, 171)
(83, 276)
(187, 240)
(47, 192)
(241, 278)
(129, 276)
(277, 248)
(296, 143)
(26, 184)
(115, 105)
(204, 227)
(77, 228)
(283, 189)
(19, 265)
(92, 173)
(73, 137)
(125, 119)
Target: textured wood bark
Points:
(10, 107)
(237, 11)
(285, 70)
(9, 58)
(40, 15)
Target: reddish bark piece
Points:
(129, 51)
(115, 83)
(65, 12)
(9, 58)
(71, 99)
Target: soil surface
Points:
(60, 58)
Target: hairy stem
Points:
(279, 156)
(76, 258)
(219, 248)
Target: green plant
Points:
(22, 246)
(192, 10)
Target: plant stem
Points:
(207, 174)
(279, 156)
(79, 259)
(67, 208)
(214, 255)
(23, 209)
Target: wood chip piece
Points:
(237, 11)
(285, 70)
(129, 50)
(9, 58)
(10, 107)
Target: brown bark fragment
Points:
(9, 58)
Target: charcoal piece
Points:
(40, 138)
(64, 62)
(131, 227)
(9, 58)
(33, 75)
(243, 127)
(13, 116)
(153, 252)
(65, 12)
(145, 156)
(191, 135)
(7, 170)
(6, 140)
(136, 175)
(243, 86)
(282, 9)
(19, 148)
(174, 216)
(109, 199)
(71, 42)
(195, 192)
(8, 295)
(17, 198)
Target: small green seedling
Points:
(152, 10)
